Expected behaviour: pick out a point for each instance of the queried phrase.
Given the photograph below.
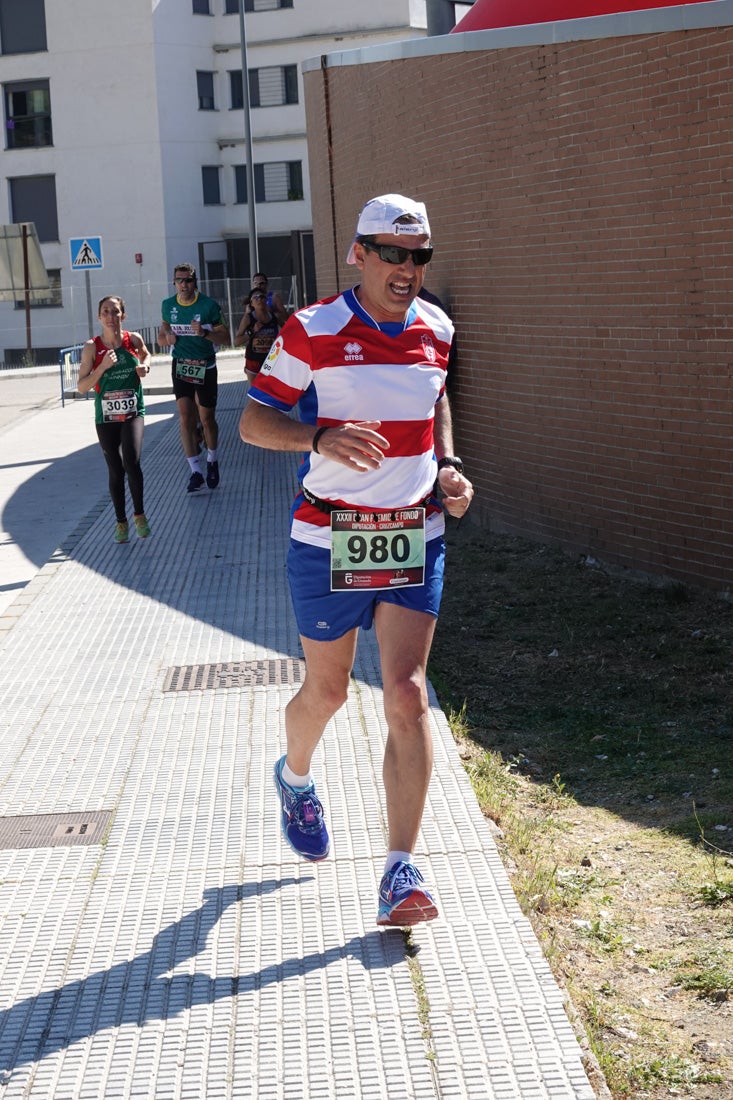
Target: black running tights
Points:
(122, 446)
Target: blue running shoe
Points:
(402, 901)
(212, 474)
(302, 818)
(195, 482)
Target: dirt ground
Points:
(595, 716)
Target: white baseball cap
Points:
(382, 214)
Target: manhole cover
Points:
(53, 830)
(235, 674)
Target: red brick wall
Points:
(580, 201)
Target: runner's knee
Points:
(405, 700)
(327, 693)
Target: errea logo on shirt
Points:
(352, 352)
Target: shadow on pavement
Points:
(207, 550)
(139, 990)
(52, 501)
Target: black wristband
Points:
(450, 460)
(317, 436)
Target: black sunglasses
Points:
(393, 254)
(186, 280)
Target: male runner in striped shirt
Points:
(367, 370)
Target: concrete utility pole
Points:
(254, 263)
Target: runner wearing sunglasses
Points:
(193, 327)
(366, 370)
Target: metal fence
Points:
(70, 325)
(69, 363)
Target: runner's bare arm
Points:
(217, 334)
(166, 336)
(457, 488)
(220, 335)
(142, 352)
(443, 428)
(243, 331)
(354, 445)
(279, 310)
(88, 377)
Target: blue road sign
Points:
(86, 253)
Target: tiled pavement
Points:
(186, 952)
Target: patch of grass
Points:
(594, 714)
(670, 1070)
(598, 1022)
(626, 1076)
(710, 975)
(605, 935)
(421, 995)
(716, 893)
(574, 883)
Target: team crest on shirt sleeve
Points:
(428, 348)
(275, 350)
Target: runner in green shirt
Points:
(193, 326)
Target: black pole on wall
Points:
(441, 16)
(331, 185)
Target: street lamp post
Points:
(252, 214)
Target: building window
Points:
(279, 181)
(216, 271)
(236, 97)
(205, 88)
(273, 86)
(28, 114)
(231, 7)
(210, 182)
(54, 298)
(266, 5)
(235, 89)
(33, 199)
(201, 7)
(240, 184)
(22, 26)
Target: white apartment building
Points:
(125, 129)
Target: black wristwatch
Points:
(450, 460)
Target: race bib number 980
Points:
(377, 549)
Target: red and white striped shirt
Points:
(338, 366)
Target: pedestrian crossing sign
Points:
(86, 253)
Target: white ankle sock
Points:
(195, 465)
(396, 857)
(212, 456)
(294, 780)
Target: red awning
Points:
(486, 14)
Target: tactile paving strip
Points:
(193, 954)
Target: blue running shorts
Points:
(323, 615)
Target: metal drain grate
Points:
(235, 674)
(53, 830)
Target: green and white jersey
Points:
(179, 317)
(118, 395)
